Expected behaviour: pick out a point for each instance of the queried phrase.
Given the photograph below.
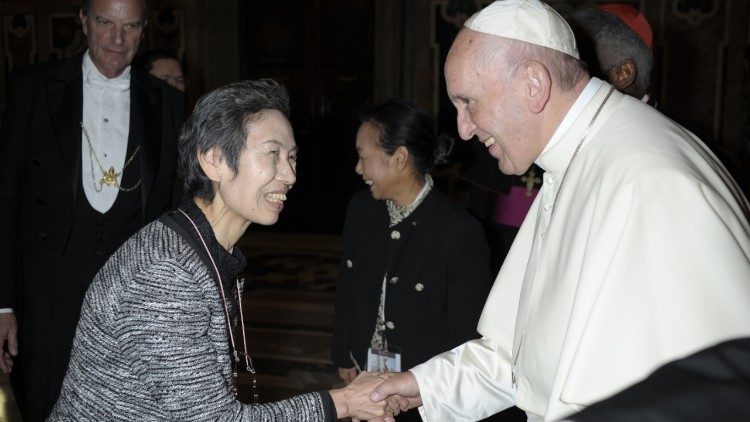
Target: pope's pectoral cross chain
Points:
(531, 181)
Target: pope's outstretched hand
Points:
(399, 385)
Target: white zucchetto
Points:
(529, 21)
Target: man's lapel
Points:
(65, 96)
(145, 118)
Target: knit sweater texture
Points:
(152, 344)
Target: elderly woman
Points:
(158, 337)
(415, 266)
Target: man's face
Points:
(489, 107)
(114, 29)
(169, 71)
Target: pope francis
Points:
(635, 252)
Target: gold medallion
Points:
(109, 178)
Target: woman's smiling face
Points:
(374, 164)
(267, 169)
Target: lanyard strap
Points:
(248, 361)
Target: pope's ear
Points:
(538, 84)
(211, 163)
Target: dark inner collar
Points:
(231, 264)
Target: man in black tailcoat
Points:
(88, 151)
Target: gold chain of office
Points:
(109, 177)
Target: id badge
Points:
(383, 360)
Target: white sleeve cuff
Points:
(468, 383)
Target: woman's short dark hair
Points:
(399, 123)
(220, 119)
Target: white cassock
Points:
(646, 259)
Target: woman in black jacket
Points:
(415, 266)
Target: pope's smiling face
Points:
(489, 104)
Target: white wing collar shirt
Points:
(106, 119)
(642, 258)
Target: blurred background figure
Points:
(165, 66)
(414, 269)
(615, 40)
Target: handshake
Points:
(377, 396)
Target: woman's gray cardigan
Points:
(152, 344)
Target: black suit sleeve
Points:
(173, 116)
(711, 385)
(177, 104)
(14, 147)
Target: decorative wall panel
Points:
(66, 36)
(19, 34)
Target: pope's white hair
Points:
(509, 56)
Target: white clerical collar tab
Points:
(584, 98)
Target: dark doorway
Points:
(322, 51)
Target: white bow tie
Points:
(118, 84)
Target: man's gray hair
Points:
(86, 6)
(613, 43)
(221, 119)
